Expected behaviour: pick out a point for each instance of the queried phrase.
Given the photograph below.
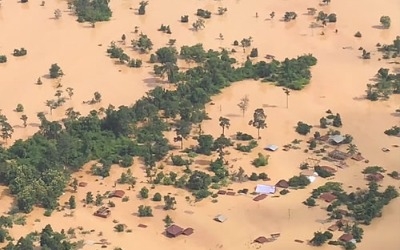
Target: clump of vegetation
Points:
(393, 131)
(303, 128)
(165, 29)
(185, 19)
(247, 148)
(260, 161)
(385, 21)
(394, 175)
(19, 108)
(119, 227)
(324, 17)
(92, 10)
(157, 197)
(254, 52)
(320, 238)
(222, 10)
(373, 170)
(330, 119)
(198, 24)
(386, 84)
(322, 172)
(300, 74)
(55, 71)
(299, 181)
(143, 44)
(310, 202)
(289, 16)
(203, 13)
(177, 160)
(127, 178)
(243, 136)
(145, 211)
(20, 52)
(3, 58)
(135, 63)
(391, 50)
(142, 7)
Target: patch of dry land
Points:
(54, 141)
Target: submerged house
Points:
(173, 231)
(220, 218)
(103, 212)
(117, 193)
(338, 155)
(265, 189)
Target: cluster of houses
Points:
(105, 212)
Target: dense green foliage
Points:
(203, 13)
(386, 84)
(37, 169)
(395, 131)
(363, 205)
(390, 50)
(47, 239)
(92, 10)
(299, 181)
(20, 52)
(303, 128)
(385, 21)
(3, 58)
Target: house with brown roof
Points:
(188, 231)
(328, 197)
(333, 228)
(117, 193)
(173, 231)
(328, 169)
(338, 155)
(282, 184)
(262, 240)
(375, 177)
(103, 212)
(357, 157)
(342, 212)
(346, 237)
(260, 197)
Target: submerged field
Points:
(338, 83)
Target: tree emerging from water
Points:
(92, 10)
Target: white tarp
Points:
(265, 189)
(311, 178)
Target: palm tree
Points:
(171, 70)
(287, 92)
(352, 149)
(224, 123)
